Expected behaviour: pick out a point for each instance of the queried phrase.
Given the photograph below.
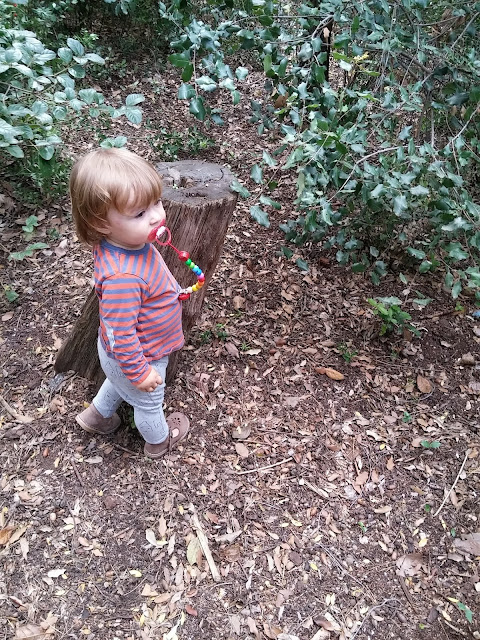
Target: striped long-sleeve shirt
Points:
(140, 313)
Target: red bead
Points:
(183, 296)
(183, 256)
(201, 278)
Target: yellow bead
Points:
(195, 287)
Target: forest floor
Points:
(349, 510)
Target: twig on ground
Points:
(19, 417)
(467, 453)
(77, 473)
(345, 571)
(202, 538)
(268, 466)
(371, 610)
(406, 593)
(462, 633)
(119, 446)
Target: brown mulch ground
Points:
(328, 521)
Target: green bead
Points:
(188, 262)
(192, 265)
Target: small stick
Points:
(19, 417)
(370, 611)
(406, 592)
(467, 453)
(77, 473)
(202, 538)
(269, 466)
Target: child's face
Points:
(130, 230)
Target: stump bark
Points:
(199, 205)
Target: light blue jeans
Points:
(147, 405)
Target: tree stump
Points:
(199, 205)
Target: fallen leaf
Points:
(390, 463)
(424, 385)
(241, 450)
(241, 432)
(232, 349)
(194, 551)
(162, 527)
(252, 625)
(150, 536)
(331, 373)
(191, 611)
(238, 302)
(385, 509)
(469, 544)
(6, 534)
(148, 591)
(55, 573)
(29, 631)
(94, 460)
(362, 478)
(409, 564)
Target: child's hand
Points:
(151, 382)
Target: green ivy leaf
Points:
(301, 264)
(256, 174)
(416, 253)
(419, 190)
(206, 83)
(133, 114)
(15, 151)
(399, 205)
(269, 202)
(197, 108)
(76, 46)
(118, 142)
(134, 98)
(456, 289)
(260, 216)
(28, 251)
(187, 72)
(241, 73)
(46, 152)
(185, 92)
(179, 60)
(239, 188)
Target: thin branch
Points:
(268, 466)
(467, 453)
(370, 155)
(465, 125)
(370, 611)
(475, 16)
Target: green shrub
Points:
(39, 94)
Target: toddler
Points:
(116, 204)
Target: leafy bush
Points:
(383, 153)
(393, 318)
(39, 95)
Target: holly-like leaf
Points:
(256, 174)
(239, 188)
(260, 216)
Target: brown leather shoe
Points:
(178, 427)
(92, 421)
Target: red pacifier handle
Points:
(183, 256)
(157, 233)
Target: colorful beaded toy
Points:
(183, 256)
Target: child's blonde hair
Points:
(105, 179)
